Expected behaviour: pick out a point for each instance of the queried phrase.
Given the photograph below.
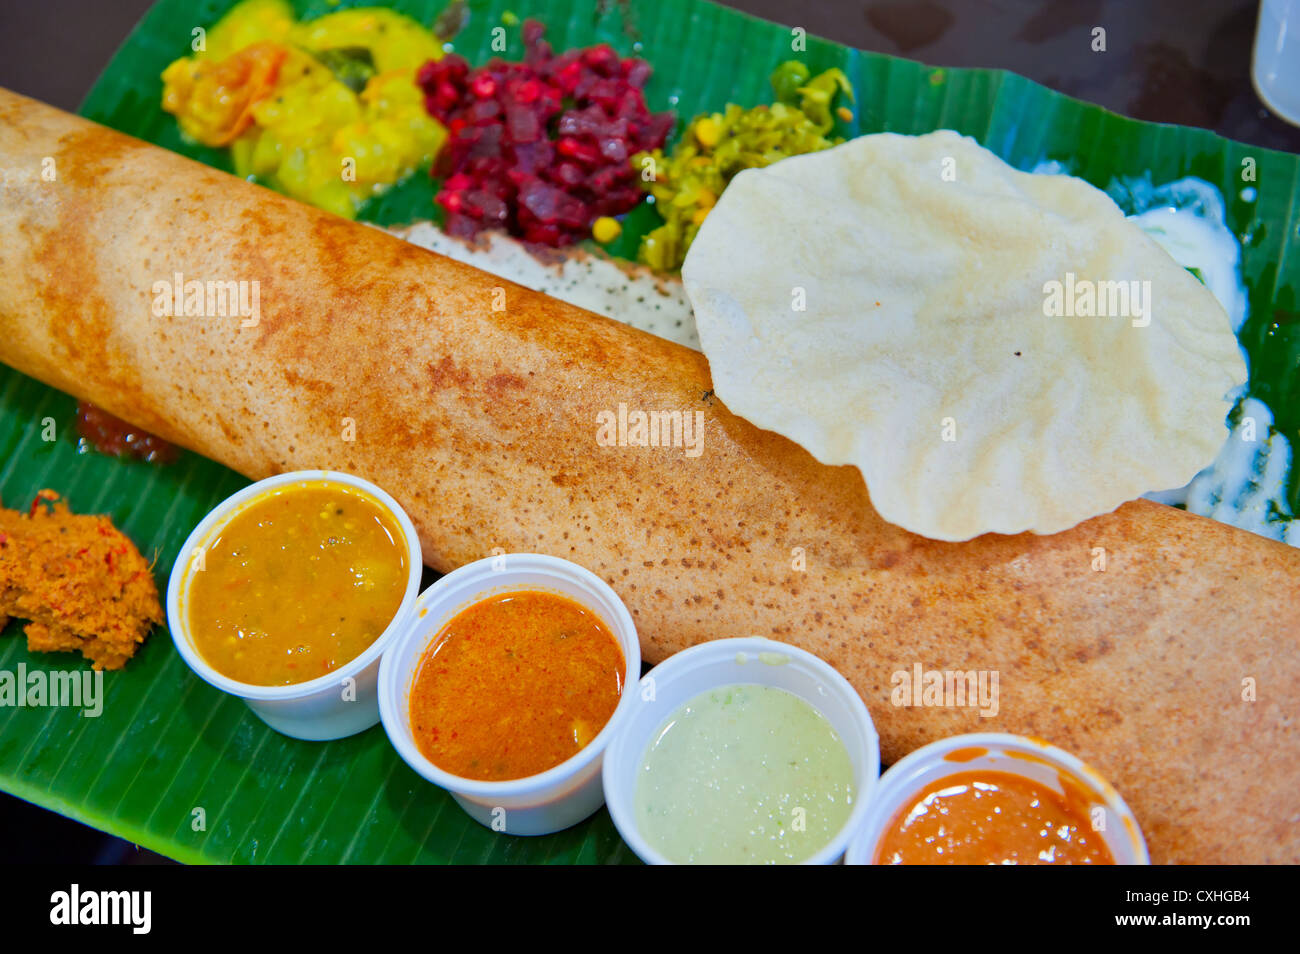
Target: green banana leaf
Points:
(168, 745)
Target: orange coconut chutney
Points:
(297, 584)
(993, 818)
(514, 685)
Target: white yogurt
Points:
(1246, 484)
(1186, 219)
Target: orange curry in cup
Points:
(986, 817)
(514, 685)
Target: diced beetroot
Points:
(568, 77)
(615, 150)
(462, 226)
(550, 204)
(657, 127)
(600, 57)
(522, 123)
(482, 111)
(541, 147)
(425, 74)
(526, 91)
(575, 149)
(486, 207)
(569, 174)
(545, 235)
(636, 72)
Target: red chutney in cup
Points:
(987, 818)
(514, 685)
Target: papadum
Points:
(996, 351)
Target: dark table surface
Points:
(1175, 61)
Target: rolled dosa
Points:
(1158, 646)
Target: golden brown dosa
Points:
(483, 424)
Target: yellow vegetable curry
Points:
(297, 584)
(326, 111)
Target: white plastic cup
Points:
(333, 706)
(1275, 67)
(538, 804)
(728, 662)
(997, 752)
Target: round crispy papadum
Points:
(916, 307)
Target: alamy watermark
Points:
(40, 689)
(1084, 298)
(636, 428)
(946, 688)
(178, 298)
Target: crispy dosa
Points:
(1161, 647)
